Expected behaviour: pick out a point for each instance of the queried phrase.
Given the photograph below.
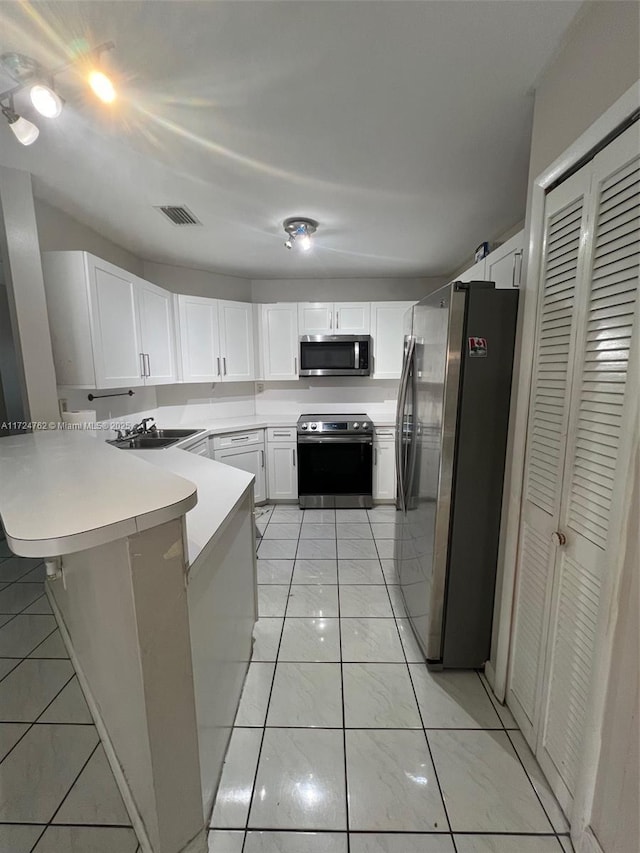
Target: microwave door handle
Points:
(356, 354)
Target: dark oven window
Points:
(335, 468)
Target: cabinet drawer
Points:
(238, 439)
(385, 434)
(275, 434)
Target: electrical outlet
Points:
(63, 404)
(259, 387)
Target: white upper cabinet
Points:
(504, 264)
(334, 318)
(109, 328)
(387, 327)
(199, 347)
(352, 318)
(116, 333)
(158, 337)
(235, 322)
(280, 341)
(216, 340)
(315, 318)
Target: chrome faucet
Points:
(142, 427)
(137, 429)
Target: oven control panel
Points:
(330, 425)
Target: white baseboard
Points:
(587, 843)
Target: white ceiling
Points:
(402, 127)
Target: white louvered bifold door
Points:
(565, 216)
(607, 317)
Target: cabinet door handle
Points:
(375, 455)
(281, 434)
(337, 320)
(331, 319)
(241, 438)
(218, 360)
(294, 456)
(142, 373)
(295, 365)
(262, 458)
(517, 264)
(224, 364)
(146, 355)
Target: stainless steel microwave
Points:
(335, 355)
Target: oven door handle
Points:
(335, 439)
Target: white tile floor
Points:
(344, 742)
(57, 792)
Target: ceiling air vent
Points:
(178, 214)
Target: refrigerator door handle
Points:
(402, 399)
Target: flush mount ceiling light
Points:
(29, 74)
(299, 232)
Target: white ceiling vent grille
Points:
(178, 214)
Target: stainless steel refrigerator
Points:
(451, 436)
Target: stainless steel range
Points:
(335, 461)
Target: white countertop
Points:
(66, 491)
(220, 487)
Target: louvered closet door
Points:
(607, 316)
(548, 418)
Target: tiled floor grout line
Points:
(415, 696)
(344, 716)
(273, 678)
(513, 746)
(60, 804)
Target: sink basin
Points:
(144, 442)
(175, 433)
(154, 440)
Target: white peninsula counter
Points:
(152, 578)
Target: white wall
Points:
(57, 231)
(25, 288)
(343, 289)
(616, 808)
(196, 282)
(598, 61)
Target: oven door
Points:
(335, 355)
(335, 470)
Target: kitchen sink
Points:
(174, 433)
(153, 440)
(144, 442)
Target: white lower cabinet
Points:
(282, 461)
(244, 450)
(200, 448)
(384, 466)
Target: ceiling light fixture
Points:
(24, 131)
(46, 101)
(299, 232)
(29, 74)
(102, 87)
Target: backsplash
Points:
(374, 397)
(118, 408)
(219, 400)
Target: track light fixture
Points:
(24, 131)
(299, 232)
(29, 74)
